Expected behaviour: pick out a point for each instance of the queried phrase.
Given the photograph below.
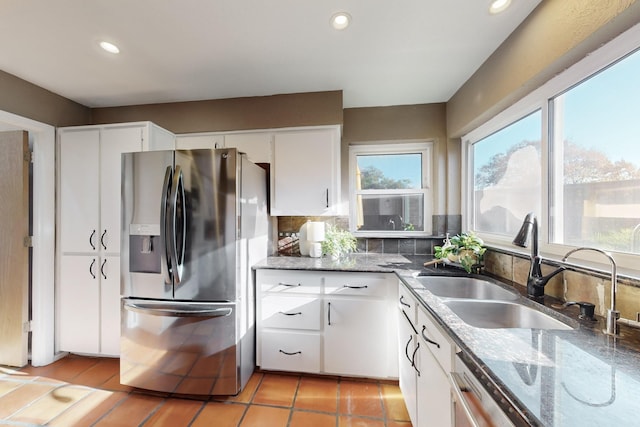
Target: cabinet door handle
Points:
(290, 314)
(356, 287)
(413, 358)
(93, 233)
(102, 269)
(329, 313)
(406, 350)
(427, 339)
(91, 268)
(404, 303)
(102, 240)
(290, 354)
(291, 285)
(327, 197)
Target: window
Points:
(596, 143)
(390, 189)
(506, 176)
(569, 152)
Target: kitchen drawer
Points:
(440, 346)
(358, 284)
(407, 303)
(289, 281)
(293, 312)
(290, 351)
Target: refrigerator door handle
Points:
(178, 225)
(164, 255)
(177, 310)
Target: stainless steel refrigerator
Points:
(193, 223)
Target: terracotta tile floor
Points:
(85, 391)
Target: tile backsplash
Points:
(289, 228)
(594, 287)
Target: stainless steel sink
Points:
(465, 287)
(502, 314)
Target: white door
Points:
(355, 337)
(80, 191)
(195, 142)
(78, 304)
(114, 142)
(14, 255)
(110, 305)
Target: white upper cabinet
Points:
(257, 145)
(305, 164)
(80, 191)
(305, 176)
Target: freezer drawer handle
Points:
(291, 285)
(427, 339)
(169, 311)
(291, 314)
(290, 354)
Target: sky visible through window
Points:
(602, 113)
(395, 166)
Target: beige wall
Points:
(28, 100)
(263, 112)
(555, 36)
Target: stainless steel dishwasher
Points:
(473, 405)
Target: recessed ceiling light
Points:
(340, 20)
(498, 6)
(109, 47)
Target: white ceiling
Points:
(394, 53)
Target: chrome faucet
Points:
(536, 280)
(612, 327)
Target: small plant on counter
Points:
(465, 248)
(338, 243)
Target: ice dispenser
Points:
(144, 248)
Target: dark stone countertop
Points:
(546, 377)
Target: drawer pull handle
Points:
(290, 314)
(427, 339)
(356, 287)
(291, 285)
(404, 303)
(290, 354)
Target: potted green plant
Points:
(337, 242)
(467, 249)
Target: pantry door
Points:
(14, 254)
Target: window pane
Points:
(389, 212)
(597, 181)
(390, 171)
(507, 176)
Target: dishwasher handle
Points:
(174, 310)
(474, 413)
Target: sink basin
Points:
(465, 287)
(502, 314)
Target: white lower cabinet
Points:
(350, 331)
(327, 322)
(90, 320)
(426, 357)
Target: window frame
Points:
(542, 98)
(425, 148)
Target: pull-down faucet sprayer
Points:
(536, 280)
